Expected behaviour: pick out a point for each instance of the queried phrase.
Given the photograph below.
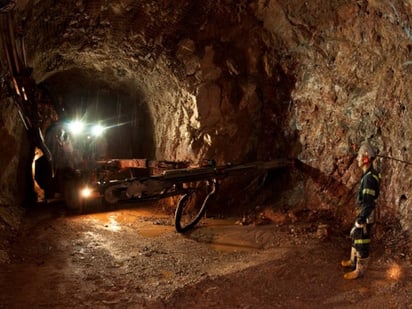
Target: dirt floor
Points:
(132, 257)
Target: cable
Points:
(395, 159)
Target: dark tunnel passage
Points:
(119, 108)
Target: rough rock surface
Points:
(238, 81)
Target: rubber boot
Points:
(352, 260)
(361, 265)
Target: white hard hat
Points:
(367, 150)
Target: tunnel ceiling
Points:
(246, 80)
(151, 48)
(186, 62)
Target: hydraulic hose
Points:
(395, 159)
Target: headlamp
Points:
(76, 127)
(86, 192)
(97, 130)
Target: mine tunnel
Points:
(79, 94)
(228, 82)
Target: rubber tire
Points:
(181, 206)
(110, 195)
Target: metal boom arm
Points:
(199, 182)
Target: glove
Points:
(361, 226)
(355, 227)
(358, 225)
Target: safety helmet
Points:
(366, 150)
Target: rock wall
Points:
(352, 83)
(248, 80)
(14, 164)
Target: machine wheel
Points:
(189, 211)
(113, 194)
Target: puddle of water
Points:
(121, 216)
(228, 247)
(141, 218)
(226, 236)
(155, 230)
(220, 234)
(232, 242)
(113, 225)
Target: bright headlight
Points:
(86, 192)
(76, 127)
(97, 130)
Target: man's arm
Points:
(369, 194)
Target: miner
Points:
(361, 232)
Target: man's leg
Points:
(352, 260)
(361, 244)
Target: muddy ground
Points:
(132, 257)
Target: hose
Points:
(395, 159)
